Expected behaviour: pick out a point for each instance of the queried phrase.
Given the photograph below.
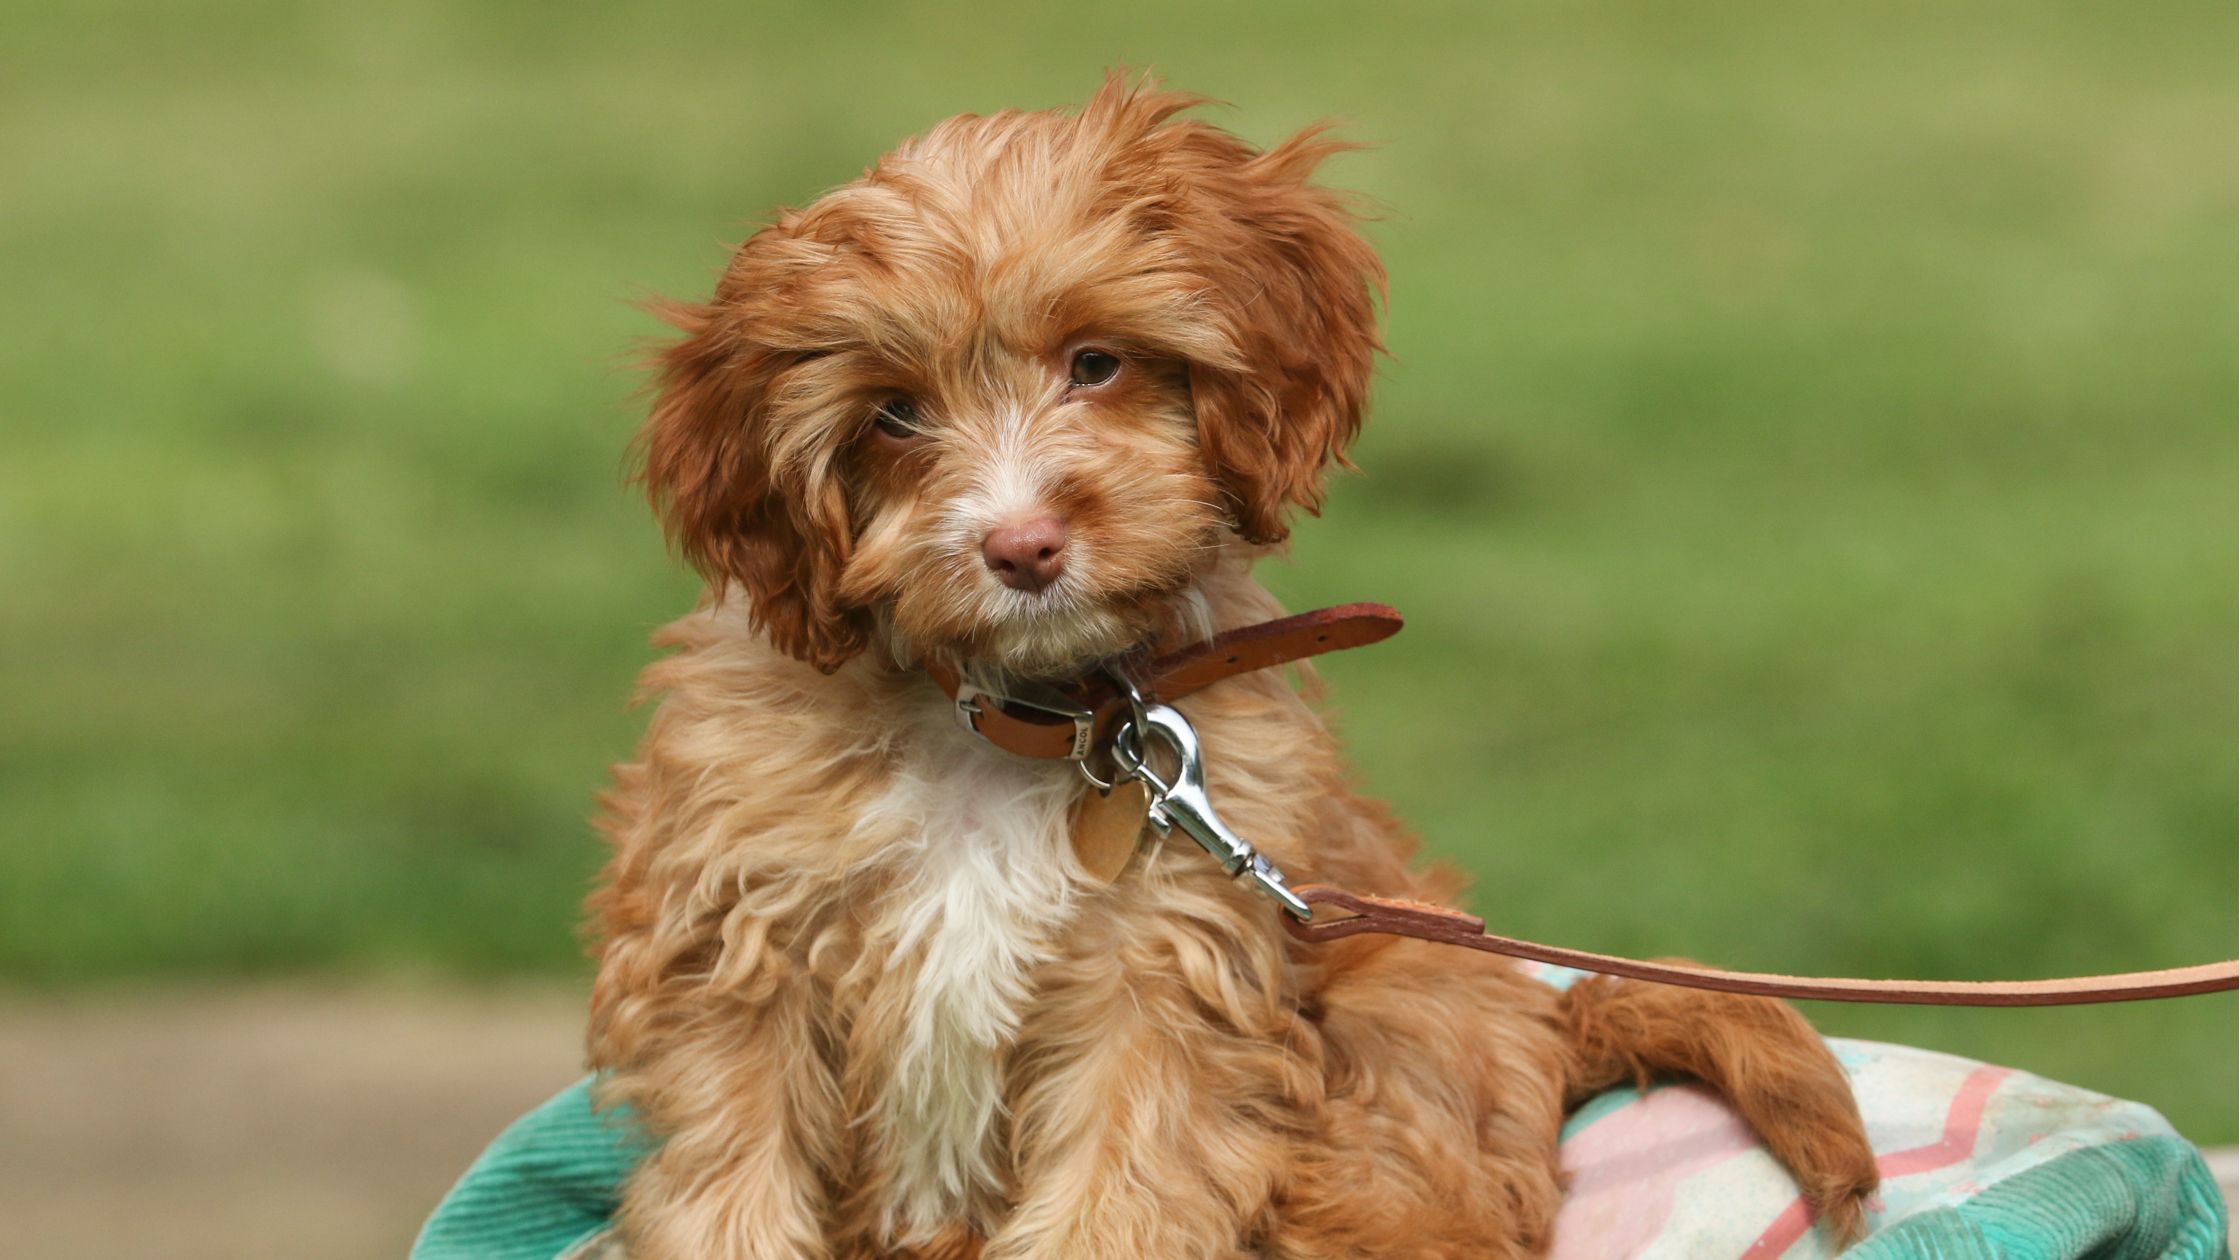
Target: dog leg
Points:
(1438, 1139)
(749, 1120)
(1163, 1103)
(1757, 1052)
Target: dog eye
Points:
(897, 418)
(1094, 367)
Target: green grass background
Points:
(1807, 463)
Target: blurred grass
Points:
(1807, 463)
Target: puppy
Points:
(1036, 390)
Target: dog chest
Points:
(980, 847)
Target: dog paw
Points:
(1840, 1203)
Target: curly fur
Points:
(850, 973)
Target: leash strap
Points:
(1391, 917)
(1066, 722)
(1069, 722)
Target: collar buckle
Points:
(1029, 702)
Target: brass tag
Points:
(1107, 826)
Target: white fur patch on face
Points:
(983, 891)
(1011, 477)
(1012, 484)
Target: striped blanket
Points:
(1977, 1161)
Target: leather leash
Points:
(1393, 917)
(1069, 722)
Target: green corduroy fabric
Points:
(2150, 1198)
(548, 1183)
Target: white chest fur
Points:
(982, 850)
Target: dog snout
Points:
(1026, 555)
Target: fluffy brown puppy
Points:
(1035, 390)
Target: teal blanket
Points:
(1977, 1161)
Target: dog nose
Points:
(1027, 555)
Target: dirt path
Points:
(282, 1123)
(271, 1123)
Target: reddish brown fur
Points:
(848, 970)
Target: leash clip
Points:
(1182, 803)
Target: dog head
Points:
(1006, 396)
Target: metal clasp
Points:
(1182, 801)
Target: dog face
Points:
(1004, 397)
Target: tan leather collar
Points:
(1066, 722)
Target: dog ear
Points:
(710, 471)
(1297, 286)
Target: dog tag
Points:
(1107, 827)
